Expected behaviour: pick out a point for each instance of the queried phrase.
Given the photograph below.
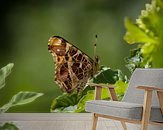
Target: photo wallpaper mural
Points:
(50, 50)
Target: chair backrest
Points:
(144, 77)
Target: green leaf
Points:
(8, 126)
(4, 72)
(24, 97)
(68, 102)
(83, 100)
(20, 99)
(69, 109)
(109, 76)
(64, 102)
(102, 76)
(134, 34)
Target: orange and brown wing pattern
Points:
(73, 68)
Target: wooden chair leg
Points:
(98, 90)
(124, 125)
(160, 98)
(146, 109)
(94, 123)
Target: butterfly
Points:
(73, 67)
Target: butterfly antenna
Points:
(95, 56)
(95, 45)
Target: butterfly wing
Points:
(73, 68)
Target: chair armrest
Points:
(98, 88)
(150, 88)
(101, 85)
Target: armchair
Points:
(142, 103)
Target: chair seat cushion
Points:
(131, 111)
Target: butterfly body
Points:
(73, 68)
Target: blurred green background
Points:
(25, 27)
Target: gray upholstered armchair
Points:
(142, 103)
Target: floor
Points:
(58, 121)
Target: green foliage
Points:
(135, 34)
(8, 126)
(76, 102)
(18, 99)
(120, 89)
(148, 32)
(82, 101)
(64, 103)
(136, 60)
(70, 102)
(107, 75)
(4, 72)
